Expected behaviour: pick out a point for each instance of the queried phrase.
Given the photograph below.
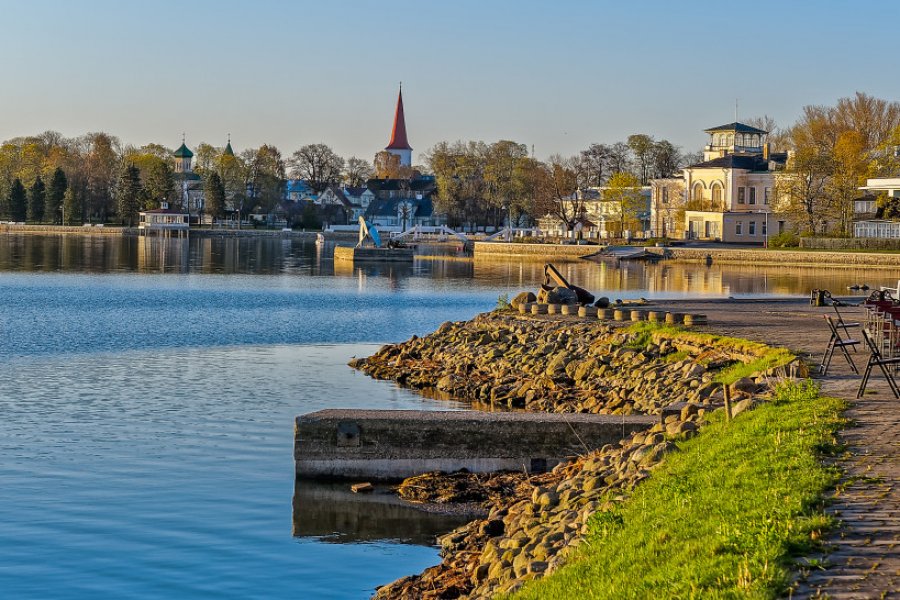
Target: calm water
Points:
(148, 389)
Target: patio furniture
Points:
(877, 359)
(845, 325)
(837, 342)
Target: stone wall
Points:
(68, 230)
(394, 444)
(540, 252)
(850, 243)
(780, 257)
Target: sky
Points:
(556, 75)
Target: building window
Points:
(698, 192)
(766, 193)
(765, 228)
(665, 195)
(739, 228)
(740, 195)
(752, 229)
(717, 195)
(753, 195)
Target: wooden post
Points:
(727, 392)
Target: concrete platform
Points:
(343, 253)
(391, 445)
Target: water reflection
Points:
(332, 513)
(443, 265)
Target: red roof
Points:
(398, 133)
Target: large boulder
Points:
(522, 298)
(558, 295)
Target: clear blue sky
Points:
(558, 75)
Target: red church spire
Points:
(398, 133)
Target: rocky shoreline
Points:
(556, 364)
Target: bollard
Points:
(618, 315)
(568, 309)
(655, 316)
(691, 320)
(638, 315)
(538, 309)
(674, 318)
(604, 314)
(587, 311)
(525, 307)
(553, 309)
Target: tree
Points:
(37, 196)
(459, 174)
(129, 195)
(557, 190)
(357, 172)
(18, 204)
(318, 165)
(502, 186)
(849, 173)
(265, 178)
(618, 158)
(665, 159)
(157, 182)
(55, 194)
(594, 161)
(624, 191)
(642, 146)
(73, 210)
(101, 166)
(214, 191)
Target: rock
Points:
(603, 302)
(561, 295)
(745, 385)
(492, 528)
(522, 298)
(743, 405)
(537, 566)
(362, 488)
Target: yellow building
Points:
(727, 197)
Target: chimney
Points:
(766, 151)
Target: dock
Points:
(394, 444)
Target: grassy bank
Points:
(720, 519)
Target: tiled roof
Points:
(388, 207)
(748, 162)
(736, 128)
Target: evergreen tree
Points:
(214, 190)
(129, 193)
(72, 209)
(18, 203)
(55, 194)
(37, 197)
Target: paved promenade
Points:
(864, 557)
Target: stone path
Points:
(864, 557)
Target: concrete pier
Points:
(343, 253)
(394, 444)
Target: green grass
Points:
(767, 357)
(721, 519)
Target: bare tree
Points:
(357, 171)
(318, 165)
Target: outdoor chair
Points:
(837, 342)
(845, 325)
(876, 358)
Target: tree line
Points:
(48, 178)
(832, 151)
(479, 182)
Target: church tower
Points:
(183, 158)
(399, 145)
